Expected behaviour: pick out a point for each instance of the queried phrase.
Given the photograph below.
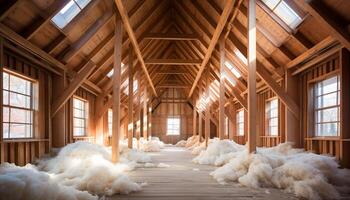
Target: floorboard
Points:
(186, 180)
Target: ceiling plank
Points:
(169, 61)
(322, 14)
(171, 36)
(133, 40)
(220, 26)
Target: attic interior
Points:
(174, 99)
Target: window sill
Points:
(24, 140)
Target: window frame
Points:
(86, 114)
(313, 85)
(279, 20)
(68, 22)
(110, 121)
(268, 118)
(179, 129)
(239, 123)
(34, 84)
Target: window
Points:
(226, 126)
(68, 12)
(18, 106)
(327, 105)
(284, 12)
(110, 121)
(272, 117)
(173, 127)
(80, 117)
(240, 122)
(233, 69)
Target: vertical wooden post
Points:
(200, 115)
(194, 125)
(345, 107)
(292, 124)
(116, 88)
(149, 121)
(144, 118)
(222, 89)
(2, 150)
(131, 97)
(252, 101)
(59, 125)
(138, 110)
(207, 108)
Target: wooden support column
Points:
(144, 118)
(138, 111)
(345, 107)
(207, 108)
(149, 121)
(194, 125)
(116, 87)
(2, 150)
(59, 130)
(252, 101)
(200, 115)
(131, 97)
(222, 89)
(292, 124)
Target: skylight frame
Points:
(291, 5)
(79, 6)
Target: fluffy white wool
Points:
(163, 165)
(181, 143)
(28, 183)
(153, 144)
(86, 166)
(78, 167)
(305, 174)
(216, 149)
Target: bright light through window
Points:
(110, 73)
(233, 69)
(110, 122)
(68, 12)
(272, 117)
(285, 12)
(327, 105)
(240, 122)
(173, 126)
(80, 117)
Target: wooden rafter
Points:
(171, 36)
(133, 40)
(169, 61)
(220, 26)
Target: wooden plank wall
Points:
(161, 113)
(264, 139)
(233, 125)
(22, 151)
(336, 146)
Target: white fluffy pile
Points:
(80, 166)
(305, 174)
(153, 144)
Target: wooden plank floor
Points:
(182, 180)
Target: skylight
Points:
(68, 12)
(284, 11)
(233, 69)
(110, 73)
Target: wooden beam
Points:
(324, 16)
(169, 61)
(207, 109)
(144, 117)
(116, 88)
(86, 37)
(282, 95)
(173, 86)
(194, 123)
(222, 89)
(220, 26)
(131, 97)
(8, 8)
(73, 86)
(171, 36)
(133, 40)
(311, 52)
(252, 110)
